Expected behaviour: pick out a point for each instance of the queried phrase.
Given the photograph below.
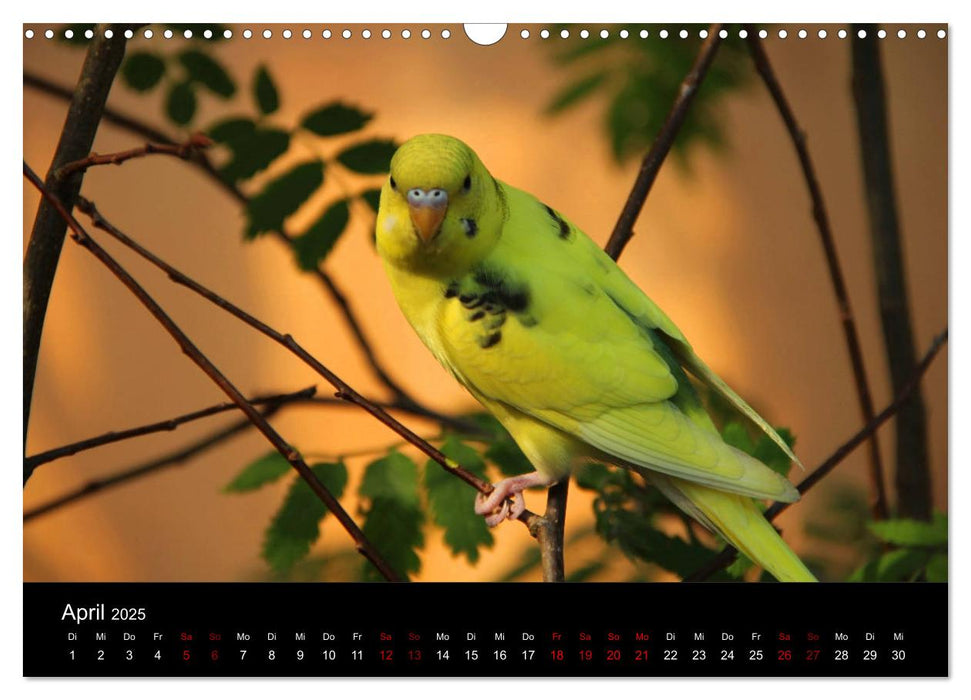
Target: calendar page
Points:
(526, 350)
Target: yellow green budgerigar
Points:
(550, 335)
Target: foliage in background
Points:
(635, 80)
(254, 140)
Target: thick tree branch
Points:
(912, 475)
(624, 229)
(401, 398)
(80, 236)
(727, 555)
(47, 236)
(549, 529)
(820, 216)
(36, 460)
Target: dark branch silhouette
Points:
(47, 236)
(912, 475)
(81, 237)
(40, 458)
(624, 229)
(798, 137)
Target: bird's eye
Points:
(394, 185)
(467, 185)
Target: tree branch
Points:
(80, 236)
(401, 398)
(36, 460)
(727, 555)
(912, 475)
(549, 529)
(47, 236)
(155, 465)
(798, 136)
(184, 151)
(624, 229)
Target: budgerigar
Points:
(550, 335)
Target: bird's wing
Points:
(538, 330)
(647, 314)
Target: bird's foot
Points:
(506, 501)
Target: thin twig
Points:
(81, 237)
(153, 466)
(912, 475)
(184, 151)
(798, 137)
(401, 398)
(40, 458)
(624, 229)
(727, 555)
(47, 235)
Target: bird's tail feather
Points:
(737, 519)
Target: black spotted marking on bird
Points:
(490, 296)
(471, 228)
(490, 340)
(565, 231)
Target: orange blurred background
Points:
(728, 249)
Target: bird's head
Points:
(441, 211)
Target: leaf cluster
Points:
(635, 80)
(254, 141)
(400, 500)
(913, 551)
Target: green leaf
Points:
(370, 157)
(233, 130)
(264, 470)
(738, 568)
(372, 198)
(897, 565)
(283, 196)
(735, 434)
(395, 530)
(296, 525)
(335, 118)
(142, 70)
(205, 70)
(314, 245)
(763, 449)
(771, 455)
(393, 477)
(592, 477)
(181, 103)
(575, 92)
(255, 154)
(394, 518)
(912, 533)
(937, 568)
(265, 92)
(452, 501)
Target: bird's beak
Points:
(427, 219)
